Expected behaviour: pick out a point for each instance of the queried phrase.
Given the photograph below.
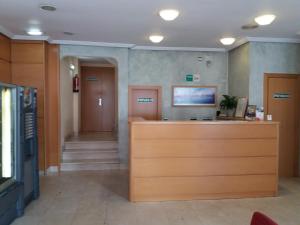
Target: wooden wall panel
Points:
(41, 143)
(28, 68)
(5, 71)
(228, 166)
(5, 46)
(32, 75)
(52, 106)
(5, 66)
(29, 74)
(28, 52)
(210, 187)
(189, 130)
(201, 160)
(204, 148)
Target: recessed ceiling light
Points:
(265, 19)
(169, 14)
(50, 8)
(34, 32)
(227, 40)
(156, 38)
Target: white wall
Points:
(120, 56)
(168, 68)
(239, 71)
(67, 97)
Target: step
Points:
(91, 145)
(90, 154)
(90, 164)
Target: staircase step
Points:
(91, 145)
(90, 164)
(90, 154)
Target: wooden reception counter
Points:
(187, 160)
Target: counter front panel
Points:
(202, 160)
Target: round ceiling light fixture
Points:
(49, 8)
(227, 40)
(156, 38)
(265, 19)
(169, 14)
(34, 32)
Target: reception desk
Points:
(185, 160)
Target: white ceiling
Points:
(201, 22)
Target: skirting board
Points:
(51, 169)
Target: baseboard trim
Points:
(52, 169)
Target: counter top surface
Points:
(139, 120)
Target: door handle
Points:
(100, 102)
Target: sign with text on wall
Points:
(192, 78)
(145, 100)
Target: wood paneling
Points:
(206, 131)
(29, 74)
(5, 71)
(5, 46)
(28, 68)
(195, 160)
(52, 106)
(204, 148)
(32, 75)
(222, 166)
(41, 143)
(5, 66)
(209, 187)
(28, 52)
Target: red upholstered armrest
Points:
(261, 219)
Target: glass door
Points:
(7, 149)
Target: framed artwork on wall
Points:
(194, 95)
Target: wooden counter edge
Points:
(139, 120)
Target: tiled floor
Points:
(95, 198)
(94, 136)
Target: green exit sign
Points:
(189, 78)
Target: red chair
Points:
(261, 219)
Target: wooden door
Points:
(145, 101)
(282, 102)
(97, 99)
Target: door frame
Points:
(266, 109)
(131, 88)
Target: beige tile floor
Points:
(98, 198)
(94, 136)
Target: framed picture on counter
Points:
(241, 107)
(194, 95)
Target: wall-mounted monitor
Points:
(194, 95)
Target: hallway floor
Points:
(99, 198)
(94, 136)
